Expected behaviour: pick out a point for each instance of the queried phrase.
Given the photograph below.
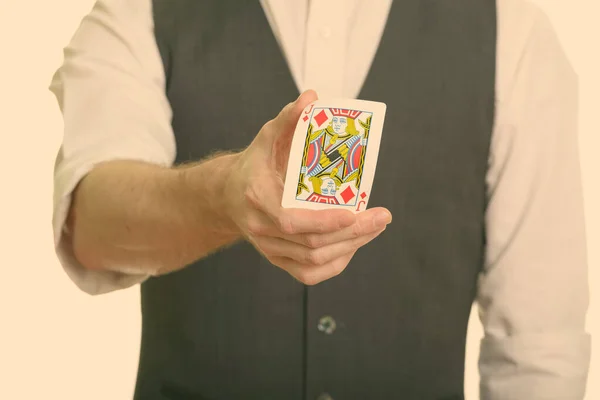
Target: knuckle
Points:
(314, 257)
(356, 231)
(313, 241)
(251, 196)
(255, 228)
(285, 225)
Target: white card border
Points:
(295, 160)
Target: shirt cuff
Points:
(540, 366)
(67, 176)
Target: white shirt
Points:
(533, 294)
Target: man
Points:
(478, 165)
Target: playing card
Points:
(334, 155)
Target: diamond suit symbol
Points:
(347, 194)
(320, 118)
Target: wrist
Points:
(207, 184)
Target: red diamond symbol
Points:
(347, 194)
(304, 118)
(320, 118)
(363, 195)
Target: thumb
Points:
(286, 121)
(283, 129)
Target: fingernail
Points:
(383, 218)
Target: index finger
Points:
(293, 221)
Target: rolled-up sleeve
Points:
(110, 90)
(533, 293)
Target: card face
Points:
(334, 155)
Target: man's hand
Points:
(312, 246)
(156, 220)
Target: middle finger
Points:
(277, 247)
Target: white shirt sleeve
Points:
(533, 294)
(111, 91)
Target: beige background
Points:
(56, 342)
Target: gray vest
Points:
(232, 326)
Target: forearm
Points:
(129, 215)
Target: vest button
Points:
(327, 325)
(324, 396)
